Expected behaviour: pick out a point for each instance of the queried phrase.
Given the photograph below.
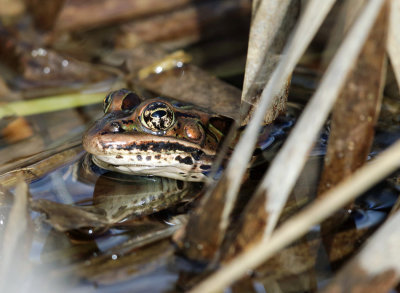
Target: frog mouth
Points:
(172, 170)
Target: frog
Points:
(155, 137)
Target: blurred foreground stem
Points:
(49, 104)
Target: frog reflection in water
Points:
(155, 137)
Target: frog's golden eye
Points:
(157, 116)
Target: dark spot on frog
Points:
(139, 157)
(187, 160)
(106, 146)
(157, 157)
(179, 184)
(205, 167)
(196, 155)
(185, 115)
(148, 158)
(194, 177)
(127, 122)
(119, 157)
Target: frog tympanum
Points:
(159, 137)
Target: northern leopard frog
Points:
(159, 137)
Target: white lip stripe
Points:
(170, 171)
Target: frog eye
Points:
(157, 116)
(107, 102)
(130, 101)
(122, 99)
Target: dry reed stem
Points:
(307, 27)
(382, 250)
(394, 38)
(284, 170)
(262, 212)
(74, 14)
(298, 225)
(264, 27)
(295, 148)
(266, 30)
(50, 104)
(17, 223)
(14, 235)
(357, 108)
(395, 207)
(345, 18)
(208, 240)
